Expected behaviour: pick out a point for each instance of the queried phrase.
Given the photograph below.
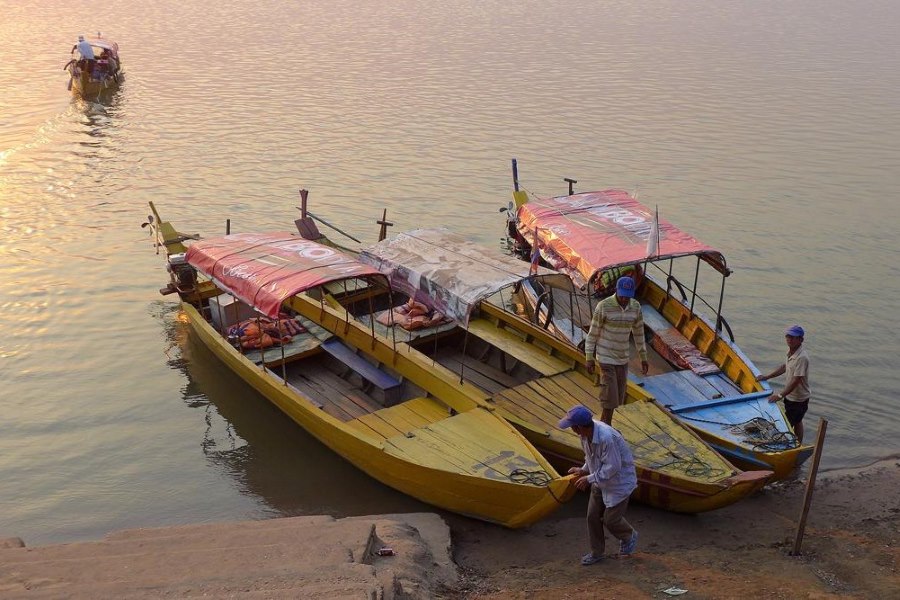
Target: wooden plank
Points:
(723, 384)
(576, 391)
(583, 382)
(402, 418)
(472, 376)
(494, 373)
(558, 394)
(336, 348)
(364, 427)
(516, 347)
(338, 392)
(430, 409)
(719, 402)
(374, 422)
(426, 453)
(523, 407)
(540, 405)
(703, 386)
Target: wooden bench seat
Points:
(673, 346)
(388, 384)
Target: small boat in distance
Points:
(697, 371)
(95, 67)
(274, 308)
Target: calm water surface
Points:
(770, 130)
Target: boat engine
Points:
(183, 275)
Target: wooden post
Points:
(303, 195)
(810, 484)
(382, 233)
(227, 226)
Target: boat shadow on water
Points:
(266, 453)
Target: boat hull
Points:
(503, 502)
(685, 393)
(86, 87)
(657, 440)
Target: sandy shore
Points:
(743, 551)
(849, 549)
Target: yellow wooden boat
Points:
(532, 378)
(696, 369)
(382, 410)
(95, 68)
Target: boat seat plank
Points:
(517, 347)
(386, 383)
(673, 346)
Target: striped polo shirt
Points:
(611, 326)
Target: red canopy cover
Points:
(263, 270)
(584, 234)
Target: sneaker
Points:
(627, 547)
(590, 559)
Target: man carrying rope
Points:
(609, 473)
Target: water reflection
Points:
(262, 449)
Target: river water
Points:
(768, 129)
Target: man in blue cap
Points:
(608, 471)
(615, 320)
(796, 393)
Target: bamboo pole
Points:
(810, 485)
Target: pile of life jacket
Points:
(263, 332)
(411, 316)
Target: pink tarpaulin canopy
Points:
(585, 234)
(263, 270)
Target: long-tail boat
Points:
(698, 372)
(531, 377)
(95, 67)
(271, 307)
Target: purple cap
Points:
(580, 415)
(794, 331)
(625, 287)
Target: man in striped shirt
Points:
(614, 321)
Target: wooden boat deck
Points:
(657, 442)
(335, 395)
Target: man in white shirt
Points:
(609, 472)
(796, 391)
(84, 48)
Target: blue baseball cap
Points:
(794, 331)
(579, 415)
(625, 287)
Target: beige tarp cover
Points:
(445, 270)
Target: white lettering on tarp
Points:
(240, 272)
(323, 255)
(634, 223)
